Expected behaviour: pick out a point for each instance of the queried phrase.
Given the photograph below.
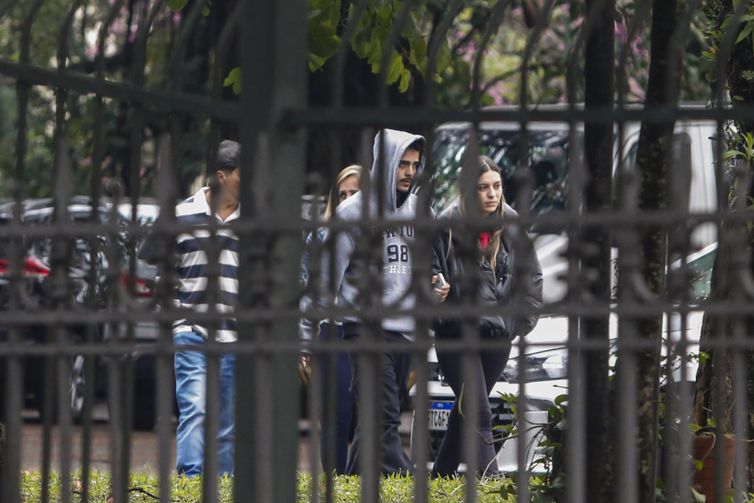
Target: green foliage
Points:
(407, 58)
(177, 4)
(550, 450)
(394, 489)
(234, 80)
(322, 35)
(746, 149)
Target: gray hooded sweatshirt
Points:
(396, 246)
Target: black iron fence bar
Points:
(98, 155)
(164, 368)
(392, 117)
(321, 407)
(627, 460)
(23, 91)
(328, 442)
(319, 348)
(470, 450)
(665, 218)
(741, 407)
(523, 200)
(122, 370)
(677, 474)
(274, 39)
(57, 386)
(63, 188)
(13, 395)
(127, 92)
(651, 307)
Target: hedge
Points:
(144, 488)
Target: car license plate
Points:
(439, 412)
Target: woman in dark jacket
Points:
(499, 267)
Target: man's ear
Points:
(220, 176)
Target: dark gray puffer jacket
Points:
(506, 286)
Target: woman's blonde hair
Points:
(334, 199)
(486, 165)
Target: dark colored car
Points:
(33, 276)
(80, 293)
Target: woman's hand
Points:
(304, 367)
(441, 292)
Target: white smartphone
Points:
(440, 281)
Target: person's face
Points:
(490, 190)
(230, 185)
(407, 167)
(348, 187)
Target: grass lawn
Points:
(144, 488)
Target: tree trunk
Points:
(667, 36)
(598, 152)
(714, 395)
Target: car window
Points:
(546, 160)
(701, 274)
(680, 155)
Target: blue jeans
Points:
(191, 390)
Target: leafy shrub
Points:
(144, 488)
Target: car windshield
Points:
(546, 160)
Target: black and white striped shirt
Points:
(191, 267)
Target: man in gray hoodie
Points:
(397, 161)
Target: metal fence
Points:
(628, 276)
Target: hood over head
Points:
(394, 145)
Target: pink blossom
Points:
(497, 93)
(133, 33)
(469, 51)
(176, 18)
(620, 32)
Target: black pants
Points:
(486, 370)
(394, 373)
(337, 422)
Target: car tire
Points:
(75, 396)
(77, 387)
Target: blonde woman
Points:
(346, 185)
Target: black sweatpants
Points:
(486, 369)
(395, 369)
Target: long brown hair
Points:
(334, 199)
(485, 165)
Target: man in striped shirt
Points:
(218, 203)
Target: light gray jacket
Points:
(351, 266)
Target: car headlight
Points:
(544, 366)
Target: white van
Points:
(549, 153)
